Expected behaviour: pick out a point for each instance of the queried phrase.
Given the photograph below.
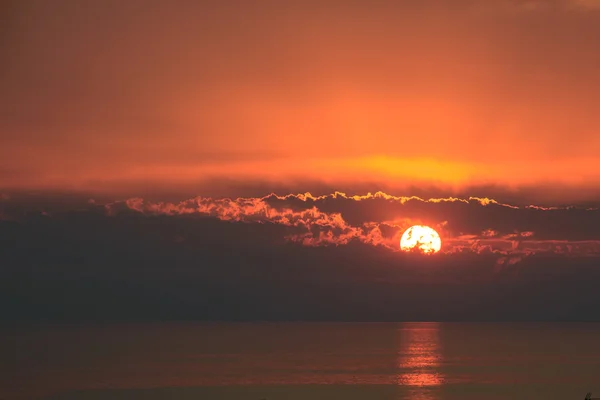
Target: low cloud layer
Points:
(474, 224)
(298, 257)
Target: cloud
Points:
(284, 257)
(473, 224)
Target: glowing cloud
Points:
(326, 220)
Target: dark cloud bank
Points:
(295, 257)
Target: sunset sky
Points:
(305, 134)
(108, 95)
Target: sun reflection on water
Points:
(419, 359)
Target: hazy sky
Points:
(140, 141)
(109, 94)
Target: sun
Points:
(421, 238)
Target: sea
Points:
(300, 361)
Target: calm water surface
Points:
(421, 361)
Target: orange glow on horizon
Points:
(391, 172)
(302, 96)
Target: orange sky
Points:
(115, 93)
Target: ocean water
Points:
(420, 361)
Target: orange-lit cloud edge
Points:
(314, 227)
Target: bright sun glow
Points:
(421, 238)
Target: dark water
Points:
(421, 361)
